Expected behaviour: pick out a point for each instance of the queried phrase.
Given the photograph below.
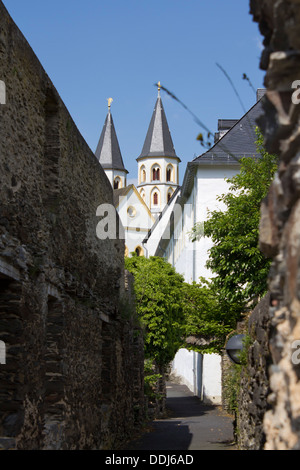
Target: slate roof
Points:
(108, 149)
(238, 142)
(158, 142)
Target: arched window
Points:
(169, 194)
(155, 173)
(117, 183)
(170, 173)
(143, 194)
(155, 198)
(139, 251)
(143, 174)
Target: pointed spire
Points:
(108, 150)
(158, 140)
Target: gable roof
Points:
(238, 142)
(158, 142)
(108, 149)
(119, 194)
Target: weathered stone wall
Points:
(73, 375)
(279, 23)
(254, 379)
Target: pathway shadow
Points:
(165, 435)
(184, 407)
(188, 424)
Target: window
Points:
(170, 173)
(143, 174)
(156, 173)
(131, 212)
(139, 251)
(155, 197)
(169, 194)
(117, 183)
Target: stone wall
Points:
(254, 388)
(73, 377)
(279, 22)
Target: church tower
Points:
(158, 164)
(109, 154)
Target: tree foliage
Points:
(206, 318)
(239, 267)
(159, 303)
(171, 309)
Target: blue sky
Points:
(95, 49)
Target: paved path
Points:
(190, 425)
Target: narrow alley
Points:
(190, 425)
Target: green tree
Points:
(206, 319)
(159, 303)
(240, 268)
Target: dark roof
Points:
(158, 142)
(238, 142)
(108, 149)
(226, 124)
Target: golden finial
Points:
(158, 86)
(110, 100)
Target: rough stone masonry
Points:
(279, 23)
(73, 377)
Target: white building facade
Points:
(204, 181)
(158, 215)
(136, 218)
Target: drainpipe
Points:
(195, 221)
(145, 249)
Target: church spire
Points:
(108, 151)
(158, 140)
(158, 164)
